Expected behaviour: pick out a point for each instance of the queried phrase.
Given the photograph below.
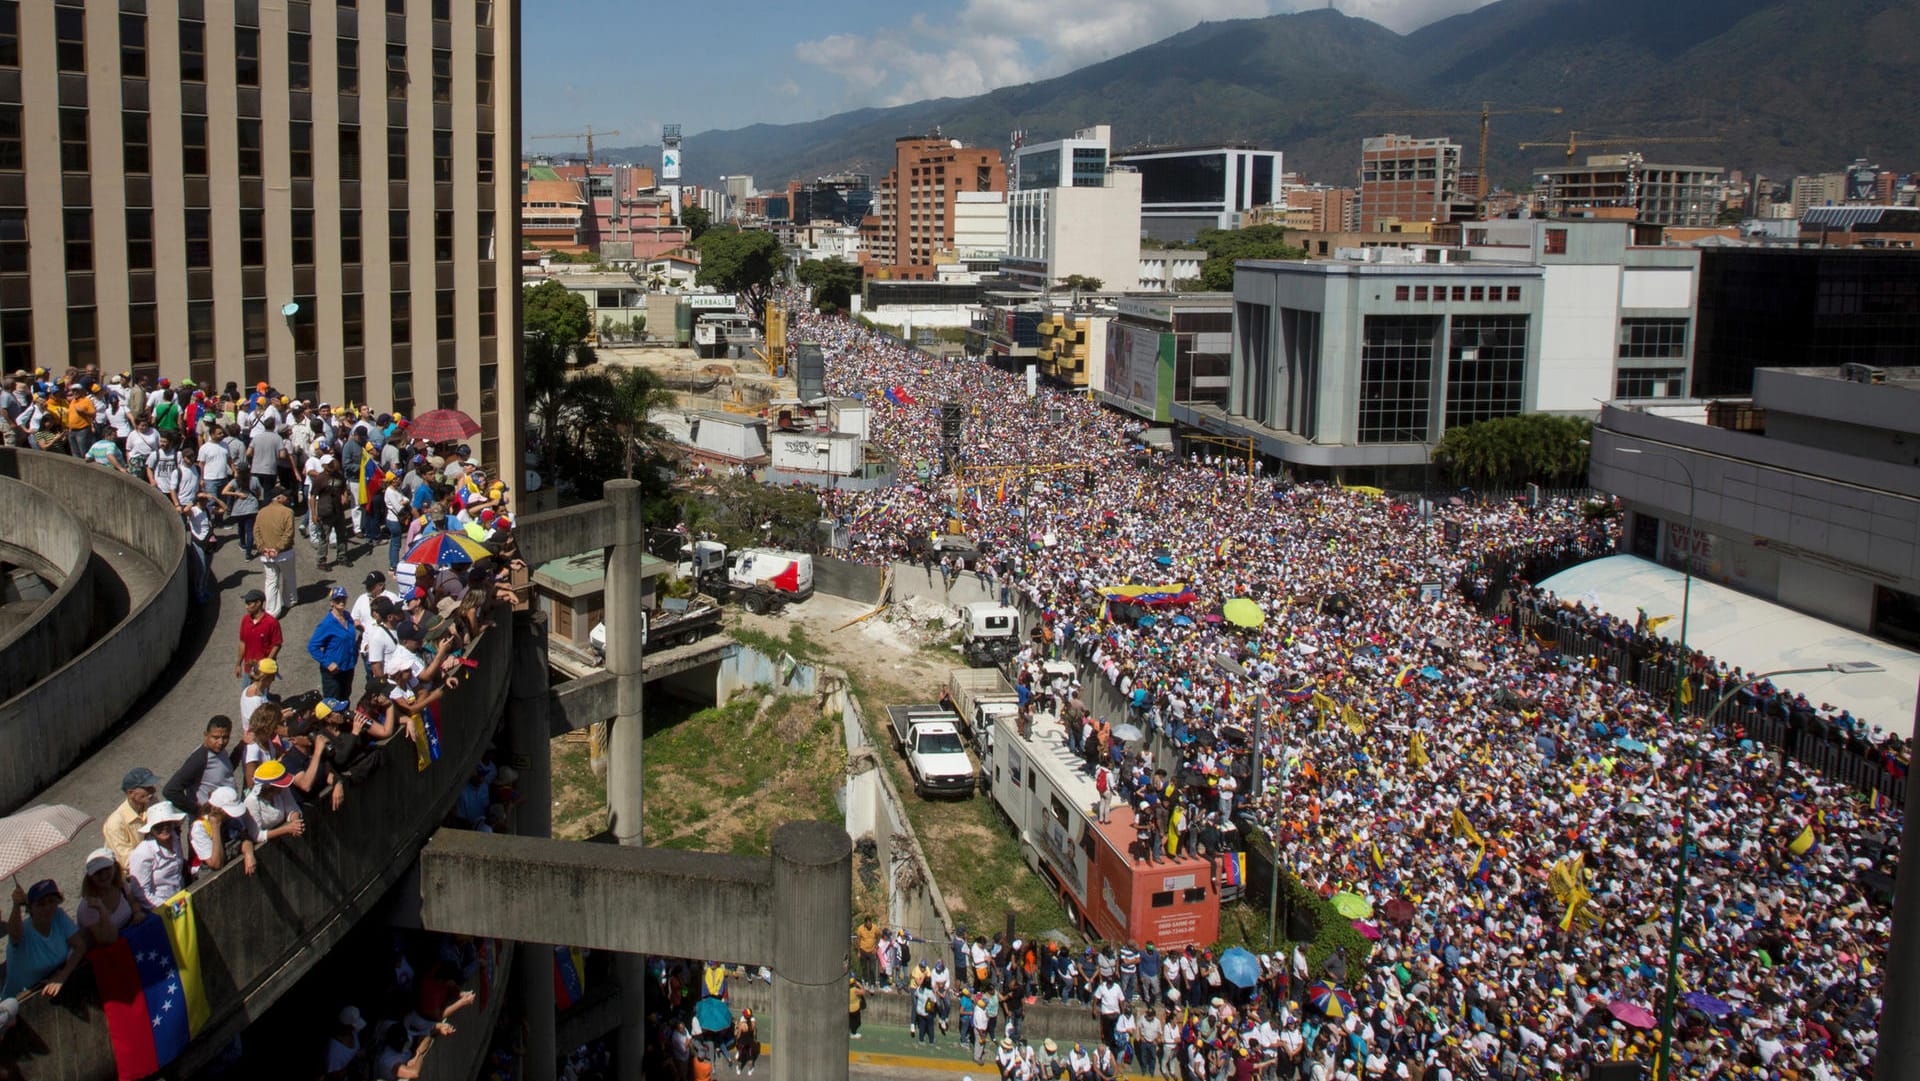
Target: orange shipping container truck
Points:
(1040, 785)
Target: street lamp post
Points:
(1672, 996)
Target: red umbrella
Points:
(1631, 1014)
(443, 426)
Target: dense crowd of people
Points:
(1524, 809)
(257, 469)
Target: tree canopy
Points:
(556, 313)
(697, 221)
(744, 263)
(1535, 448)
(1225, 247)
(833, 281)
(1079, 283)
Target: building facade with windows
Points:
(911, 227)
(1359, 366)
(1407, 179)
(1618, 307)
(174, 174)
(1684, 195)
(1184, 189)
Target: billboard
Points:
(1139, 376)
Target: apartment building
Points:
(310, 194)
(913, 206)
(1406, 179)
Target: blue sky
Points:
(617, 64)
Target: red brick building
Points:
(912, 219)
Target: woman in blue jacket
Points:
(334, 647)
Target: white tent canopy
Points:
(1758, 635)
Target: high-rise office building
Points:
(1184, 189)
(318, 195)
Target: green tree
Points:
(1225, 247)
(1080, 283)
(741, 512)
(605, 430)
(744, 263)
(697, 221)
(833, 281)
(1538, 448)
(556, 322)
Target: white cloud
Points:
(988, 44)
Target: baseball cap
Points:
(375, 576)
(42, 890)
(338, 593)
(267, 666)
(273, 773)
(408, 632)
(227, 802)
(350, 1017)
(100, 859)
(139, 777)
(252, 595)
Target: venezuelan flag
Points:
(425, 729)
(150, 988)
(368, 479)
(1233, 870)
(569, 976)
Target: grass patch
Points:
(580, 798)
(720, 779)
(797, 642)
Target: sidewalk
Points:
(160, 730)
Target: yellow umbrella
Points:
(1242, 612)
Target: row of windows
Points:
(1653, 339)
(1468, 293)
(1486, 372)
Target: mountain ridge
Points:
(1780, 86)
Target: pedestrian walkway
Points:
(161, 729)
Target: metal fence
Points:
(1863, 767)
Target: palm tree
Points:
(603, 407)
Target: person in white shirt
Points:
(216, 465)
(158, 866)
(377, 642)
(376, 586)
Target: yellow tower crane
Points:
(587, 135)
(1486, 112)
(1574, 142)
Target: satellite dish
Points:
(290, 309)
(533, 481)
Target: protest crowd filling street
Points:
(288, 740)
(1510, 818)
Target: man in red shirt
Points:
(259, 635)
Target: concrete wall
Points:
(258, 935)
(873, 807)
(1063, 1024)
(126, 512)
(914, 580)
(853, 581)
(40, 526)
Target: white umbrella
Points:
(36, 831)
(1127, 733)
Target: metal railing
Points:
(1864, 767)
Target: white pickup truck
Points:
(936, 754)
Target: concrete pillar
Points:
(625, 759)
(624, 645)
(812, 896)
(530, 735)
(1897, 1054)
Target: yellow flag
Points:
(1377, 861)
(1802, 843)
(184, 936)
(1174, 821)
(1464, 828)
(1417, 751)
(1654, 623)
(1686, 692)
(1351, 718)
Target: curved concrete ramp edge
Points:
(52, 724)
(258, 935)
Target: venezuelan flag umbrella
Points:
(1329, 999)
(444, 549)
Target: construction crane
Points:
(1574, 142)
(1486, 112)
(587, 135)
